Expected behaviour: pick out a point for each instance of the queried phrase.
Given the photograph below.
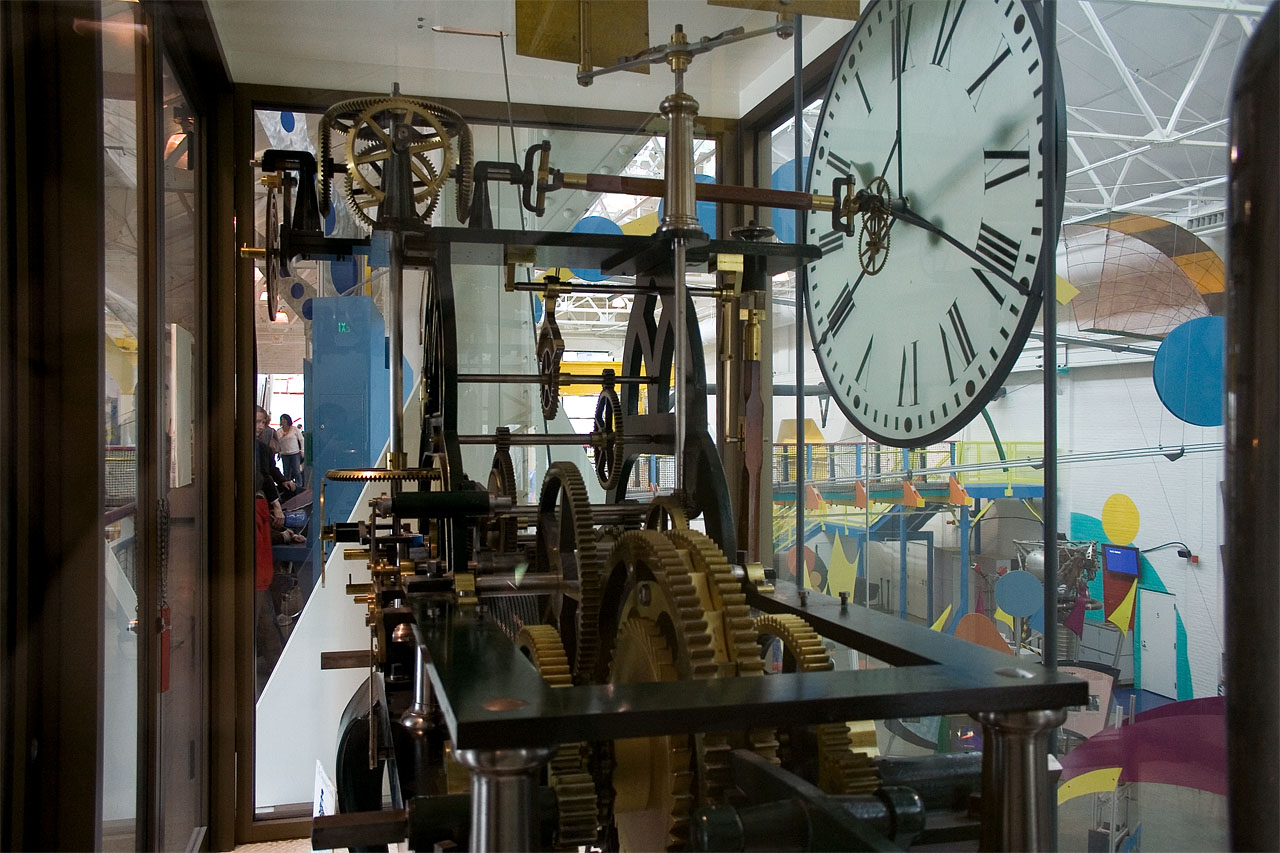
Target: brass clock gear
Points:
(359, 119)
(666, 513)
(873, 239)
(567, 776)
(363, 195)
(841, 769)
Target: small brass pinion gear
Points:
(574, 788)
(841, 769)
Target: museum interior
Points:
(393, 463)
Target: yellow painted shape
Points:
(812, 432)
(642, 226)
(588, 368)
(1120, 519)
(1205, 269)
(1122, 616)
(842, 572)
(1066, 291)
(122, 364)
(1001, 616)
(1093, 782)
(1133, 224)
(941, 623)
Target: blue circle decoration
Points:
(594, 225)
(307, 310)
(331, 219)
(297, 290)
(1020, 594)
(287, 122)
(784, 178)
(538, 308)
(706, 210)
(1189, 368)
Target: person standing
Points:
(289, 438)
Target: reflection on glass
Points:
(120, 441)
(182, 574)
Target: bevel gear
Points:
(345, 117)
(567, 775)
(841, 770)
(360, 200)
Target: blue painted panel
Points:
(1188, 371)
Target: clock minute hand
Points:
(898, 209)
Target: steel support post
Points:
(504, 788)
(1017, 799)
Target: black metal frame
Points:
(475, 668)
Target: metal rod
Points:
(524, 583)
(558, 440)
(678, 365)
(798, 107)
(395, 338)
(610, 289)
(564, 379)
(1049, 61)
(599, 512)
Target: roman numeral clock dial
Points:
(943, 100)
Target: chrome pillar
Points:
(1017, 799)
(504, 804)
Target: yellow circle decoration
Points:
(1120, 519)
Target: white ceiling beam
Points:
(1231, 7)
(1195, 74)
(1142, 149)
(1142, 158)
(1119, 63)
(1102, 191)
(1151, 200)
(1129, 137)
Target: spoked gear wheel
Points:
(840, 770)
(873, 239)
(361, 201)
(566, 546)
(567, 775)
(607, 439)
(349, 118)
(550, 352)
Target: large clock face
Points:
(914, 350)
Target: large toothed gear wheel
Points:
(366, 121)
(733, 630)
(652, 776)
(566, 546)
(567, 775)
(649, 583)
(840, 769)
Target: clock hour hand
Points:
(899, 209)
